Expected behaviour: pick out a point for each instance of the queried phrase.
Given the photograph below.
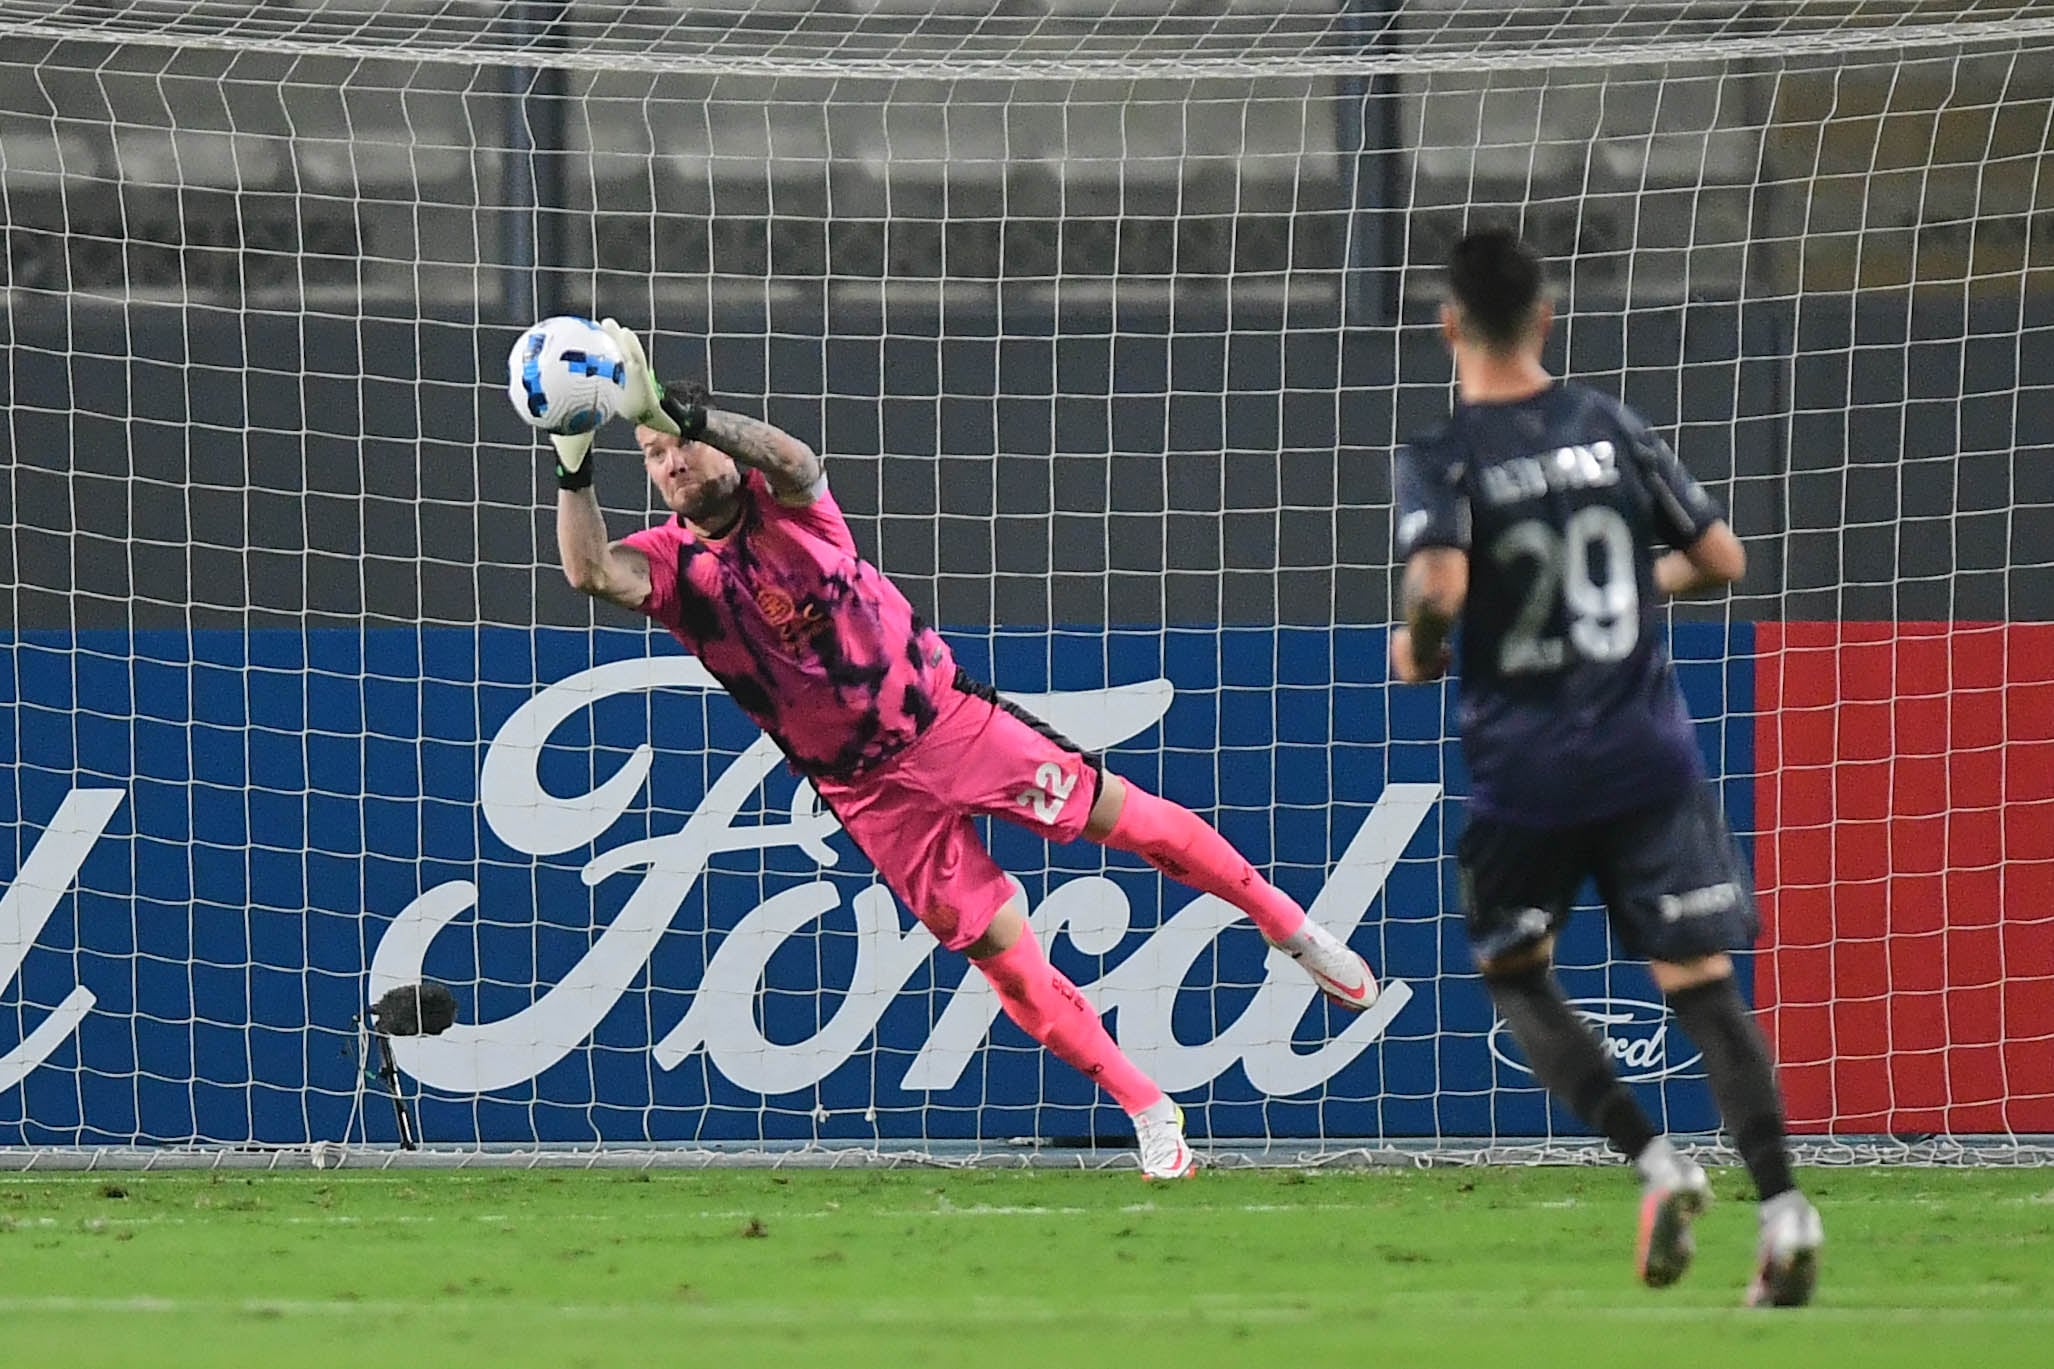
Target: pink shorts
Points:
(912, 814)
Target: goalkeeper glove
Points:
(686, 406)
(643, 395)
(573, 468)
(644, 402)
(573, 450)
(647, 403)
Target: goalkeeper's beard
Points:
(713, 505)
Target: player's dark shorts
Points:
(1670, 877)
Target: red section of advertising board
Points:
(1905, 856)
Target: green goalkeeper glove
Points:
(680, 415)
(644, 402)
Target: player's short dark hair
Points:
(1496, 280)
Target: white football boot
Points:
(1341, 974)
(1787, 1259)
(1669, 1202)
(1159, 1131)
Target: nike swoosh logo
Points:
(1356, 994)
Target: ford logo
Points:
(1635, 1035)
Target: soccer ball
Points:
(565, 374)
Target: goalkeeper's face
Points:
(699, 484)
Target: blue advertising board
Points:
(220, 846)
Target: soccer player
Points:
(758, 576)
(1530, 516)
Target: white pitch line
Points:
(740, 1313)
(1223, 1306)
(770, 1212)
(766, 1212)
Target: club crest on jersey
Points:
(796, 623)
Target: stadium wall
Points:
(175, 468)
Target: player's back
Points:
(1570, 709)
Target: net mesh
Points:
(1108, 317)
(948, 39)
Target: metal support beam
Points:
(1370, 137)
(532, 225)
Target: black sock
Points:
(1743, 1079)
(1567, 1059)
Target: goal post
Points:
(1108, 319)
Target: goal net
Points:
(1108, 318)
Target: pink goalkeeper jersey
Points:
(810, 639)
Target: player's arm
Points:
(605, 570)
(1715, 559)
(1435, 587)
(794, 470)
(1432, 511)
(1707, 555)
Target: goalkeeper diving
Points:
(756, 573)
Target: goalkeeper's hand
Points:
(643, 404)
(644, 394)
(573, 469)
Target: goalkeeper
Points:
(758, 576)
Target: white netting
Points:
(953, 38)
(1108, 317)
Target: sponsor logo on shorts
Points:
(1706, 902)
(1633, 1032)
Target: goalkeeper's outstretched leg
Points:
(1053, 1010)
(1179, 843)
(914, 816)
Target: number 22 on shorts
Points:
(1050, 792)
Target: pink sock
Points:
(1050, 1009)
(1178, 842)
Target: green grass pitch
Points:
(1482, 1268)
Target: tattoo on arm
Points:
(791, 465)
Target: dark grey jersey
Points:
(1570, 708)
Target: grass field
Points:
(1478, 1268)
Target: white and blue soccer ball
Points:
(565, 375)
